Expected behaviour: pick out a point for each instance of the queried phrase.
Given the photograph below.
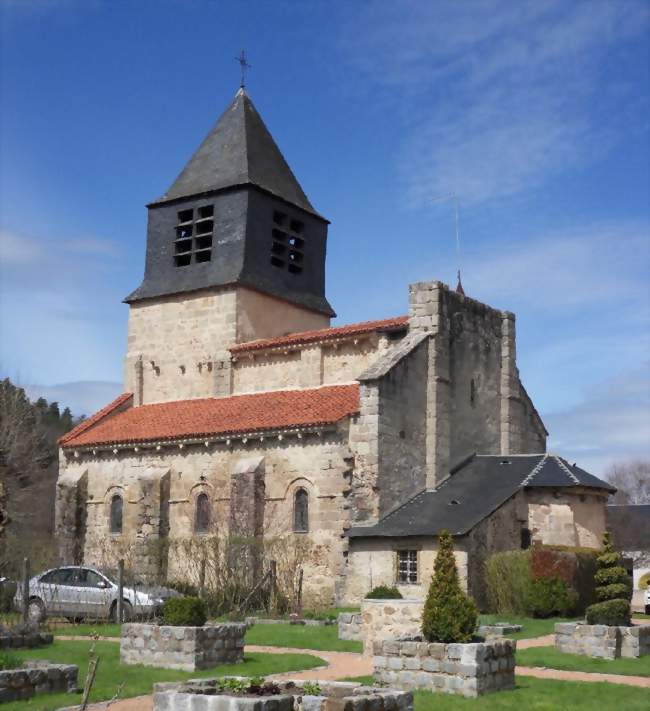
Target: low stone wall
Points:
(12, 640)
(200, 694)
(499, 629)
(602, 641)
(464, 669)
(186, 648)
(37, 678)
(389, 619)
(250, 621)
(350, 626)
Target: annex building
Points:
(246, 416)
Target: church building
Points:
(338, 451)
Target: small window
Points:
(291, 236)
(116, 514)
(407, 566)
(193, 236)
(279, 218)
(525, 538)
(202, 514)
(301, 511)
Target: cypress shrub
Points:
(383, 592)
(614, 589)
(448, 615)
(185, 612)
(508, 582)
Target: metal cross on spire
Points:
(244, 66)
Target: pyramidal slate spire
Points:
(239, 150)
(236, 216)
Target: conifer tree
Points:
(448, 615)
(614, 589)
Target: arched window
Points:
(116, 514)
(301, 511)
(202, 514)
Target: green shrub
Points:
(508, 582)
(610, 612)
(383, 592)
(551, 596)
(185, 612)
(614, 589)
(448, 615)
(9, 661)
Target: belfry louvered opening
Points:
(194, 234)
(287, 245)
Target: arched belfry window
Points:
(202, 514)
(117, 506)
(301, 511)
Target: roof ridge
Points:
(536, 470)
(566, 469)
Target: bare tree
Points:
(632, 480)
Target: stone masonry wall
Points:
(567, 518)
(318, 463)
(602, 641)
(185, 648)
(350, 625)
(463, 669)
(37, 677)
(389, 620)
(373, 562)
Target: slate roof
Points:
(239, 150)
(239, 414)
(323, 334)
(473, 491)
(629, 525)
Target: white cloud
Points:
(497, 97)
(611, 424)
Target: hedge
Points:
(383, 592)
(185, 612)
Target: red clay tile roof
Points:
(97, 417)
(221, 416)
(323, 334)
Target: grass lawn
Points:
(553, 659)
(301, 637)
(103, 629)
(138, 679)
(531, 626)
(539, 695)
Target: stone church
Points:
(245, 414)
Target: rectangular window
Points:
(287, 236)
(407, 566)
(194, 232)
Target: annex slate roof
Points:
(323, 334)
(473, 491)
(629, 525)
(239, 150)
(238, 414)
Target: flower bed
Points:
(242, 694)
(186, 648)
(468, 669)
(37, 677)
(602, 641)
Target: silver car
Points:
(79, 592)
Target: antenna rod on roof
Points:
(454, 198)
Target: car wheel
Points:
(127, 612)
(36, 610)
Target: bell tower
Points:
(235, 252)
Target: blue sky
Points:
(534, 113)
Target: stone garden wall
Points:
(604, 641)
(186, 648)
(14, 640)
(350, 626)
(203, 694)
(389, 619)
(463, 669)
(37, 678)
